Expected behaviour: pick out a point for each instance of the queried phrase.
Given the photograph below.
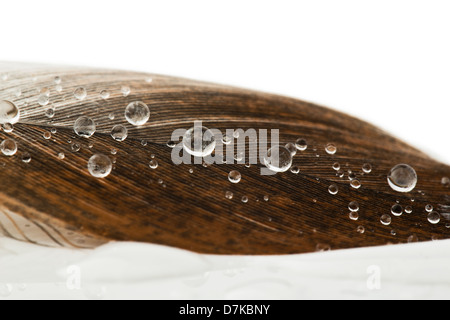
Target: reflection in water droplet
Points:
(153, 164)
(386, 219)
(301, 144)
(80, 93)
(99, 166)
(397, 210)
(137, 113)
(434, 217)
(428, 208)
(119, 132)
(9, 113)
(353, 206)
(278, 159)
(8, 147)
(199, 141)
(229, 195)
(7, 127)
(84, 127)
(402, 178)
(330, 148)
(234, 176)
(333, 189)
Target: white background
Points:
(387, 62)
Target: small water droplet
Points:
(353, 215)
(80, 93)
(143, 142)
(340, 173)
(278, 159)
(336, 166)
(360, 229)
(226, 139)
(171, 144)
(229, 195)
(351, 175)
(58, 88)
(244, 199)
(353, 206)
(408, 209)
(434, 217)
(113, 151)
(321, 247)
(413, 238)
(199, 141)
(295, 169)
(428, 208)
(402, 178)
(330, 148)
(153, 164)
(234, 176)
(125, 90)
(397, 210)
(445, 181)
(119, 132)
(356, 184)
(7, 127)
(61, 155)
(9, 113)
(393, 232)
(8, 147)
(333, 189)
(50, 112)
(26, 157)
(137, 113)
(266, 198)
(367, 168)
(45, 92)
(301, 144)
(75, 147)
(47, 135)
(84, 127)
(191, 170)
(292, 148)
(104, 94)
(386, 219)
(99, 165)
(53, 130)
(57, 80)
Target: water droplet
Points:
(99, 165)
(148, 80)
(353, 215)
(57, 80)
(266, 198)
(84, 127)
(53, 131)
(199, 141)
(301, 144)
(137, 113)
(295, 169)
(408, 209)
(321, 247)
(434, 217)
(125, 90)
(58, 88)
(191, 170)
(171, 144)
(75, 147)
(119, 132)
(26, 157)
(234, 176)
(336, 166)
(278, 159)
(360, 229)
(413, 238)
(386, 219)
(340, 173)
(226, 139)
(356, 184)
(393, 232)
(292, 148)
(330, 148)
(333, 189)
(8, 147)
(113, 151)
(367, 168)
(7, 127)
(402, 178)
(445, 181)
(9, 113)
(153, 164)
(5, 76)
(229, 195)
(104, 94)
(244, 199)
(353, 206)
(80, 93)
(143, 142)
(61, 155)
(47, 135)
(45, 92)
(397, 210)
(351, 175)
(428, 208)
(50, 112)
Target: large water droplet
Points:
(234, 176)
(9, 113)
(119, 132)
(84, 127)
(137, 113)
(8, 147)
(434, 217)
(402, 178)
(99, 166)
(278, 159)
(80, 93)
(199, 141)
